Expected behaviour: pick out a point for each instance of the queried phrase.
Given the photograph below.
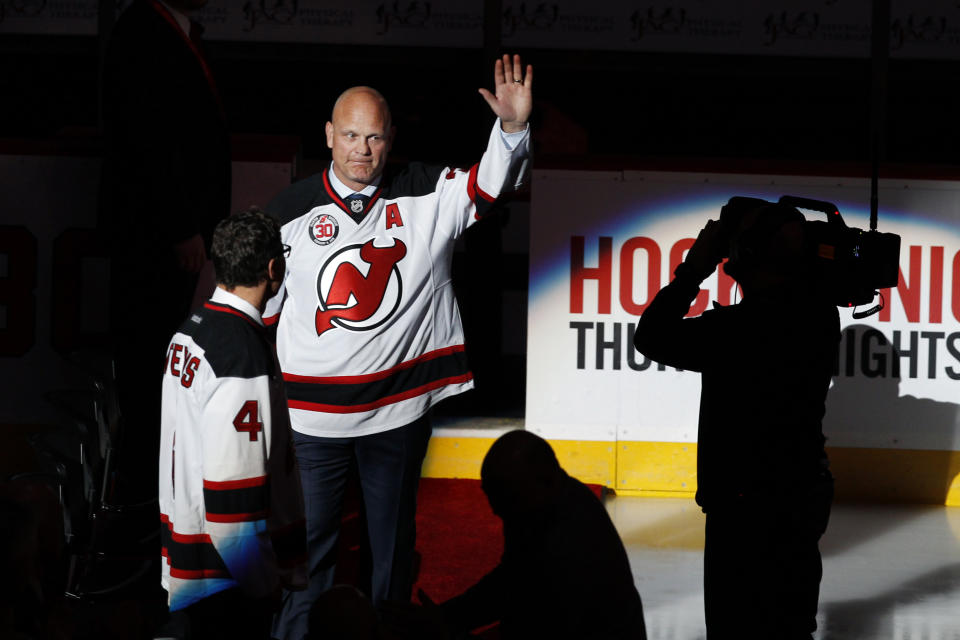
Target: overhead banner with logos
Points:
(603, 244)
(819, 28)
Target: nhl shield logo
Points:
(323, 229)
(356, 205)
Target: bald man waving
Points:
(368, 330)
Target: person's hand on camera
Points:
(708, 250)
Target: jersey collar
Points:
(235, 304)
(336, 193)
(343, 190)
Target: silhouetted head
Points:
(342, 613)
(767, 250)
(520, 474)
(359, 134)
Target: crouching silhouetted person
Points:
(762, 473)
(564, 572)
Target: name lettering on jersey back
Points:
(184, 367)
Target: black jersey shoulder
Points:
(298, 198)
(414, 180)
(233, 344)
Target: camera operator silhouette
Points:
(765, 364)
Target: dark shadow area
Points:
(906, 455)
(278, 88)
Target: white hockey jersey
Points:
(369, 336)
(231, 504)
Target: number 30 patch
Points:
(248, 419)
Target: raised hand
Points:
(512, 99)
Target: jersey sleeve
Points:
(236, 426)
(467, 195)
(271, 313)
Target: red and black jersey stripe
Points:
(191, 557)
(225, 308)
(351, 394)
(236, 500)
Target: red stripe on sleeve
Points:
(184, 538)
(190, 538)
(236, 517)
(200, 574)
(227, 485)
(473, 189)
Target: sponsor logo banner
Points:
(821, 28)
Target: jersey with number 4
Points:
(231, 504)
(368, 330)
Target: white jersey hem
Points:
(435, 397)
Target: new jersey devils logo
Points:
(352, 300)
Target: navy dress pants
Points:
(388, 465)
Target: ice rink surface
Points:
(889, 572)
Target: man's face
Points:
(359, 137)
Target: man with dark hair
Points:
(243, 248)
(368, 330)
(230, 497)
(762, 473)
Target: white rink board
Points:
(573, 396)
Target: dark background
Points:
(628, 104)
(593, 110)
